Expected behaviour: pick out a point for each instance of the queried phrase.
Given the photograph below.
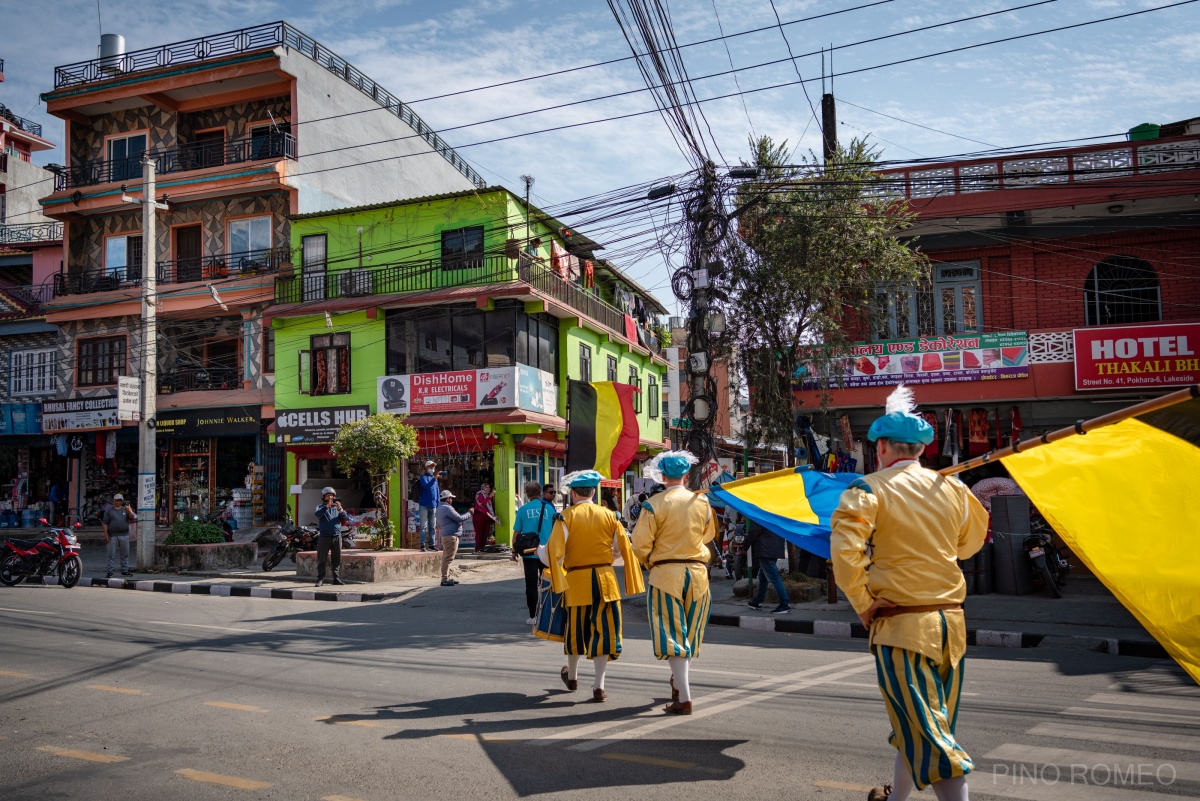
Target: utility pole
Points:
(702, 408)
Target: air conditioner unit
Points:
(355, 283)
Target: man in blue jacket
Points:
(535, 517)
(428, 495)
(329, 534)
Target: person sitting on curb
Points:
(767, 548)
(449, 527)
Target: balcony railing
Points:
(190, 379)
(31, 232)
(176, 271)
(194, 156)
(31, 295)
(29, 126)
(258, 37)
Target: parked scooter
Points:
(54, 554)
(1050, 566)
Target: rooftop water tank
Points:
(112, 52)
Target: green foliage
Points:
(662, 333)
(194, 532)
(378, 444)
(816, 245)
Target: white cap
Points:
(447, 494)
(118, 497)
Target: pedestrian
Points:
(768, 547)
(533, 526)
(580, 555)
(483, 516)
(635, 509)
(428, 492)
(330, 516)
(672, 540)
(116, 520)
(897, 537)
(449, 527)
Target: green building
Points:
(467, 311)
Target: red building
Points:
(1064, 283)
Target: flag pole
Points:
(1082, 427)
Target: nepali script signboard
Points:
(929, 360)
(1137, 356)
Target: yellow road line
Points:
(109, 689)
(483, 738)
(832, 785)
(13, 674)
(230, 705)
(90, 756)
(345, 721)
(236, 782)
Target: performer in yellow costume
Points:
(897, 537)
(580, 554)
(671, 539)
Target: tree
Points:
(377, 443)
(814, 246)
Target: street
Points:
(444, 694)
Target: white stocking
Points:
(902, 780)
(601, 664)
(951, 789)
(573, 666)
(679, 669)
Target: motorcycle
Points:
(1050, 566)
(56, 553)
(295, 538)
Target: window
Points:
(462, 247)
(100, 361)
(1121, 290)
(313, 265)
(125, 156)
(636, 383)
(612, 368)
(585, 362)
(208, 149)
(655, 397)
(464, 338)
(268, 361)
(268, 141)
(950, 303)
(250, 235)
(433, 344)
(330, 358)
(31, 372)
(123, 257)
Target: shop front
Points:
(206, 458)
(30, 467)
(306, 436)
(101, 452)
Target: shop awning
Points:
(547, 422)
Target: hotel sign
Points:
(1137, 356)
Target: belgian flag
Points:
(602, 432)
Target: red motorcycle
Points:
(55, 554)
(293, 539)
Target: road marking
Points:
(1178, 703)
(483, 738)
(645, 760)
(236, 782)
(989, 784)
(14, 675)
(832, 785)
(342, 720)
(109, 689)
(240, 707)
(89, 756)
(1113, 763)
(1130, 715)
(259, 632)
(1177, 742)
(26, 611)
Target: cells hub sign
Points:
(1137, 357)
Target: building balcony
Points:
(29, 126)
(182, 158)
(30, 233)
(176, 271)
(199, 379)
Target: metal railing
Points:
(29, 126)
(188, 379)
(182, 158)
(31, 295)
(176, 271)
(30, 232)
(258, 37)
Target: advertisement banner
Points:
(20, 418)
(1137, 356)
(226, 422)
(80, 414)
(469, 390)
(314, 426)
(930, 360)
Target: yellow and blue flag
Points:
(795, 503)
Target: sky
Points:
(1090, 81)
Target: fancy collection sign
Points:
(80, 414)
(1137, 356)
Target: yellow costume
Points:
(898, 534)
(580, 552)
(671, 539)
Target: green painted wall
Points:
(571, 336)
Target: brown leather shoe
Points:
(572, 684)
(674, 692)
(599, 696)
(678, 708)
(879, 793)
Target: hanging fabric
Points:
(110, 445)
(558, 259)
(1017, 426)
(978, 423)
(589, 274)
(100, 437)
(931, 450)
(999, 435)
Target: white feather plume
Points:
(901, 400)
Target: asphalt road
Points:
(110, 694)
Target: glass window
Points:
(612, 368)
(653, 395)
(250, 235)
(100, 361)
(1121, 290)
(269, 350)
(467, 330)
(462, 247)
(330, 356)
(946, 304)
(433, 344)
(123, 257)
(585, 362)
(498, 338)
(636, 382)
(31, 372)
(549, 359)
(524, 322)
(125, 156)
(398, 327)
(313, 265)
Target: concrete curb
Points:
(987, 638)
(234, 591)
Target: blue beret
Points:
(675, 466)
(901, 427)
(584, 479)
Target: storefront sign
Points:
(931, 360)
(1137, 356)
(129, 398)
(225, 422)
(468, 390)
(80, 414)
(315, 425)
(21, 418)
